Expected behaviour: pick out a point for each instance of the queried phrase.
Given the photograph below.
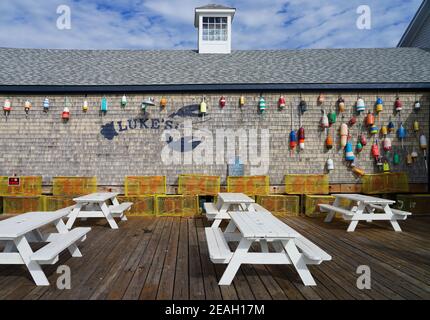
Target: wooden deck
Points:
(167, 258)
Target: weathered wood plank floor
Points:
(167, 258)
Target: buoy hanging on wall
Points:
(241, 101)
(281, 103)
(7, 107)
(329, 141)
(163, 102)
(262, 105)
(46, 105)
(349, 154)
(370, 119)
(417, 106)
(293, 139)
(363, 139)
(85, 106)
(401, 133)
(358, 146)
(375, 150)
(330, 164)
(341, 104)
(104, 105)
(384, 130)
(396, 158)
(360, 106)
(343, 134)
(65, 115)
(331, 117)
(203, 107)
(387, 144)
(324, 120)
(352, 121)
(123, 101)
(301, 138)
(416, 126)
(386, 166)
(379, 105)
(27, 107)
(303, 106)
(320, 99)
(398, 105)
(374, 129)
(423, 146)
(222, 102)
(390, 127)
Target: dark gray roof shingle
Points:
(47, 67)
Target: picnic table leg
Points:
(73, 215)
(235, 262)
(216, 223)
(108, 215)
(297, 260)
(264, 246)
(34, 268)
(330, 215)
(393, 220)
(115, 202)
(61, 228)
(231, 227)
(353, 224)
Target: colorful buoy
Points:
(341, 104)
(360, 106)
(301, 135)
(65, 115)
(349, 154)
(222, 102)
(262, 104)
(281, 103)
(163, 102)
(85, 106)
(379, 105)
(124, 101)
(46, 105)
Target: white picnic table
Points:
(262, 227)
(18, 232)
(367, 208)
(228, 202)
(96, 205)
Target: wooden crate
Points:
(176, 205)
(415, 203)
(18, 205)
(142, 205)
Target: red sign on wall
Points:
(13, 181)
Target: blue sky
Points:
(164, 24)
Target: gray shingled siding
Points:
(43, 145)
(422, 39)
(126, 67)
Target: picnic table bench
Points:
(367, 208)
(262, 227)
(18, 232)
(96, 205)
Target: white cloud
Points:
(163, 24)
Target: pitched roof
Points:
(417, 33)
(214, 6)
(258, 68)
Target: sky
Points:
(167, 24)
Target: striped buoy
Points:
(293, 139)
(387, 144)
(301, 138)
(360, 106)
(324, 123)
(222, 102)
(7, 107)
(329, 141)
(46, 105)
(281, 103)
(85, 106)
(398, 105)
(262, 105)
(379, 105)
(65, 115)
(417, 106)
(390, 127)
(124, 101)
(349, 154)
(374, 129)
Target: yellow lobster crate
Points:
(311, 208)
(144, 185)
(142, 205)
(176, 205)
(53, 203)
(394, 182)
(249, 185)
(21, 204)
(280, 205)
(306, 184)
(202, 185)
(22, 186)
(73, 186)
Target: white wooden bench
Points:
(211, 210)
(120, 208)
(329, 207)
(259, 208)
(403, 214)
(311, 250)
(61, 242)
(219, 251)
